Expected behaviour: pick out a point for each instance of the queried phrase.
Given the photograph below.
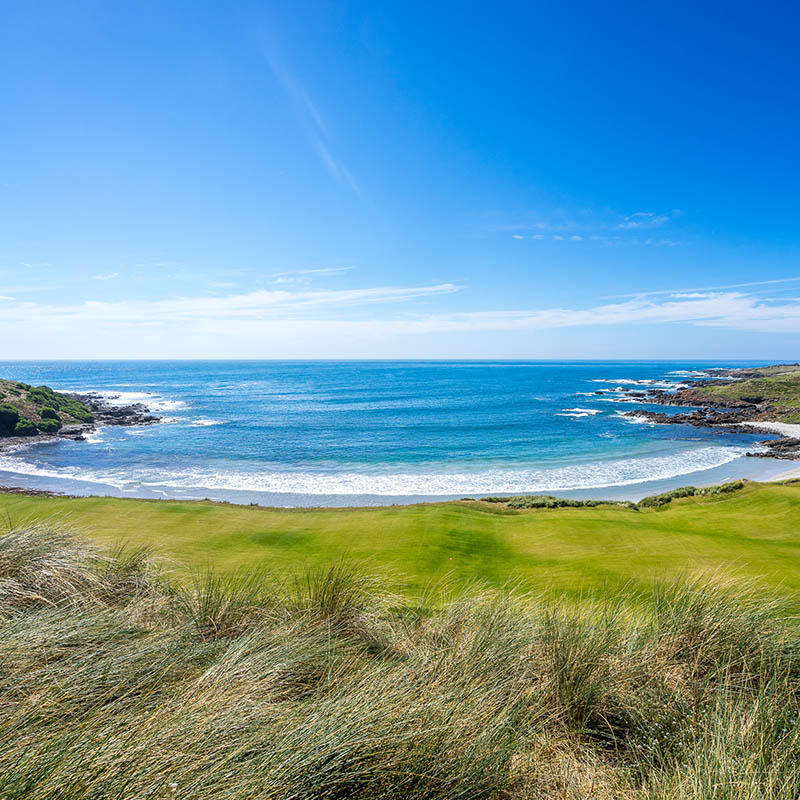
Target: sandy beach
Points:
(784, 429)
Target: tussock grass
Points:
(116, 683)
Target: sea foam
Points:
(396, 484)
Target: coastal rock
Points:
(692, 397)
(107, 414)
(75, 432)
(755, 401)
(786, 447)
(79, 414)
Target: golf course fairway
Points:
(752, 534)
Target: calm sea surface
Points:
(299, 433)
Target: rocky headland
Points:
(764, 399)
(38, 413)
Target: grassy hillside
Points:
(778, 387)
(26, 410)
(117, 684)
(753, 533)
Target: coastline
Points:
(761, 470)
(755, 399)
(614, 481)
(105, 414)
(784, 429)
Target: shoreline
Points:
(718, 402)
(108, 413)
(742, 468)
(105, 414)
(382, 501)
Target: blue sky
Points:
(400, 180)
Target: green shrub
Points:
(545, 501)
(658, 500)
(57, 402)
(75, 409)
(48, 413)
(49, 425)
(9, 416)
(41, 395)
(724, 488)
(25, 428)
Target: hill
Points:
(27, 410)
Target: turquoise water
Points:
(291, 433)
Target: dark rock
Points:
(718, 412)
(786, 447)
(107, 414)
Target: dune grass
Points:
(117, 682)
(751, 534)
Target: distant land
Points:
(764, 398)
(38, 412)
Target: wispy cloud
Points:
(109, 276)
(311, 119)
(647, 219)
(733, 310)
(319, 271)
(274, 315)
(604, 228)
(303, 277)
(677, 292)
(260, 304)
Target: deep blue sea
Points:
(342, 433)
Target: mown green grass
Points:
(752, 534)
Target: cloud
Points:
(268, 319)
(261, 304)
(313, 123)
(320, 271)
(303, 277)
(107, 277)
(644, 219)
(733, 310)
(588, 223)
(516, 236)
(676, 292)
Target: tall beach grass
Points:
(117, 683)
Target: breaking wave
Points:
(395, 484)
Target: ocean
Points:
(360, 433)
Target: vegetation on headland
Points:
(776, 388)
(119, 683)
(750, 534)
(26, 410)
(752, 396)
